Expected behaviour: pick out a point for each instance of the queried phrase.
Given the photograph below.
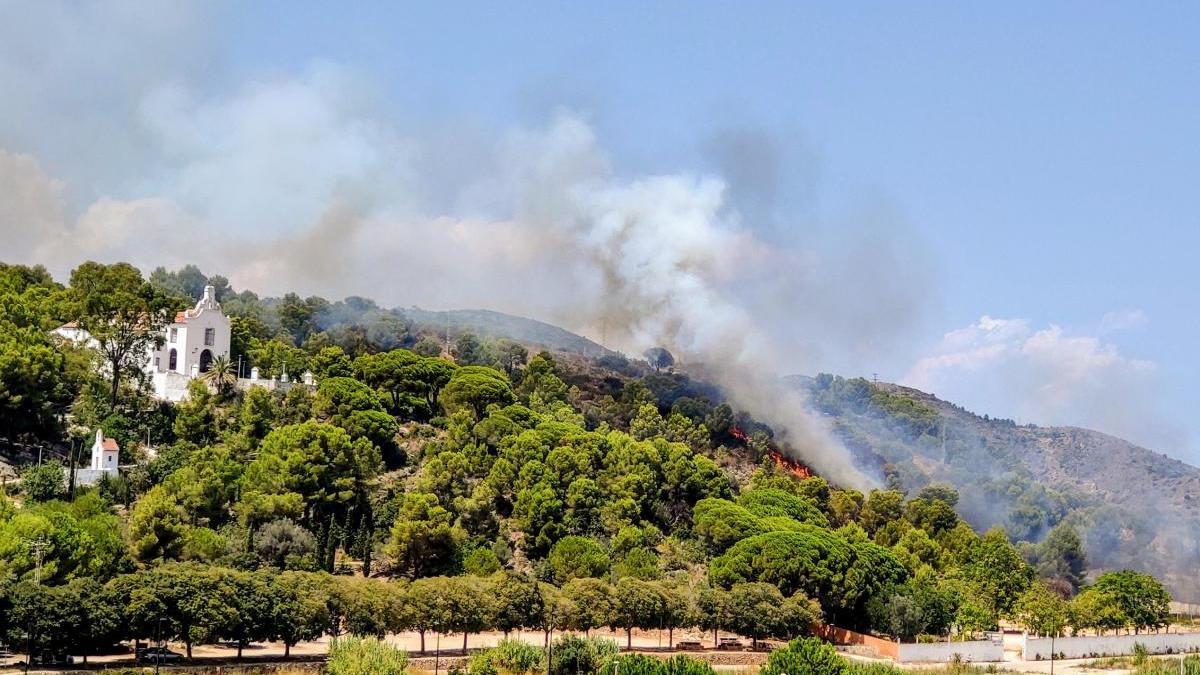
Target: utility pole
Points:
(74, 462)
(437, 652)
(1052, 654)
(39, 550)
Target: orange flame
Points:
(791, 466)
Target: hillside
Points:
(1135, 507)
(490, 324)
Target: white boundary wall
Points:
(1091, 646)
(977, 651)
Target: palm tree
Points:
(221, 375)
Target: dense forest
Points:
(454, 484)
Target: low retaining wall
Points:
(1091, 646)
(844, 636)
(975, 651)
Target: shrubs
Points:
(364, 656)
(640, 664)
(805, 656)
(572, 655)
(509, 657)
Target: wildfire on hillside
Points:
(782, 461)
(791, 466)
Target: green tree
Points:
(156, 526)
(320, 465)
(257, 414)
(1097, 610)
(538, 513)
(809, 560)
(296, 315)
(1040, 610)
(121, 311)
(99, 619)
(774, 502)
(481, 561)
(331, 361)
(424, 541)
(575, 557)
(300, 607)
(221, 375)
(468, 351)
(43, 482)
(760, 611)
(881, 508)
(1142, 598)
(43, 618)
(252, 598)
(720, 523)
(195, 417)
(711, 604)
(516, 602)
(636, 604)
(591, 603)
(34, 384)
(1061, 556)
(475, 388)
(997, 571)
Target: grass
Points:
(1166, 665)
(952, 669)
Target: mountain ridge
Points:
(1135, 507)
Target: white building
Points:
(191, 342)
(105, 458)
(194, 339)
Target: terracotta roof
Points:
(182, 317)
(69, 324)
(110, 444)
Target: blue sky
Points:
(1033, 163)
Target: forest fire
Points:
(782, 462)
(793, 467)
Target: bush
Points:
(1140, 654)
(634, 664)
(511, 657)
(639, 664)
(573, 655)
(686, 665)
(364, 656)
(805, 656)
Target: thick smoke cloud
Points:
(303, 184)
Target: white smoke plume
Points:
(308, 181)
